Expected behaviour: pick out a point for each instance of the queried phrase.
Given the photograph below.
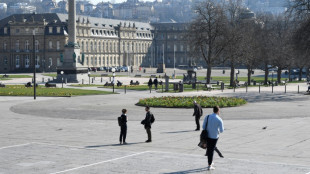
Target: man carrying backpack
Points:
(149, 119)
(214, 127)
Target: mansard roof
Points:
(58, 18)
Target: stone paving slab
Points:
(36, 158)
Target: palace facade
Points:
(103, 42)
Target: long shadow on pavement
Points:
(189, 171)
(175, 132)
(96, 146)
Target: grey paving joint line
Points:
(89, 165)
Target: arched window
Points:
(37, 45)
(91, 46)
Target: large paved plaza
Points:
(80, 135)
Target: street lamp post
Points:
(113, 71)
(62, 79)
(34, 67)
(89, 77)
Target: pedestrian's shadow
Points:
(106, 145)
(189, 171)
(176, 132)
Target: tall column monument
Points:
(72, 64)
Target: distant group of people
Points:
(212, 123)
(155, 82)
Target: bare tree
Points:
(207, 33)
(232, 51)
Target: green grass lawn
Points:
(226, 79)
(14, 76)
(20, 90)
(50, 75)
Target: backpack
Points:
(119, 119)
(152, 119)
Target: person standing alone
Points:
(197, 113)
(147, 124)
(215, 127)
(123, 125)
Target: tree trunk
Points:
(266, 74)
(209, 73)
(300, 74)
(249, 76)
(279, 71)
(308, 74)
(290, 74)
(232, 74)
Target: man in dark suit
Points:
(197, 113)
(147, 124)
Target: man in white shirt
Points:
(215, 127)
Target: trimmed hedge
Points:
(187, 102)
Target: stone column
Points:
(72, 21)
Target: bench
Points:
(119, 83)
(2, 85)
(5, 76)
(48, 85)
(153, 76)
(104, 75)
(108, 84)
(138, 75)
(134, 83)
(28, 85)
(209, 87)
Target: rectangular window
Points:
(50, 62)
(4, 46)
(37, 45)
(27, 61)
(17, 61)
(50, 30)
(50, 45)
(27, 45)
(27, 30)
(37, 62)
(181, 47)
(58, 29)
(58, 45)
(5, 61)
(58, 62)
(17, 45)
(5, 30)
(17, 30)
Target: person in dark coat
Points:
(122, 137)
(197, 113)
(147, 124)
(150, 83)
(155, 82)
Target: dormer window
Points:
(50, 30)
(5, 30)
(96, 24)
(17, 30)
(58, 29)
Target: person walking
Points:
(123, 125)
(197, 113)
(148, 123)
(155, 82)
(214, 127)
(150, 83)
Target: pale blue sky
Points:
(116, 1)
